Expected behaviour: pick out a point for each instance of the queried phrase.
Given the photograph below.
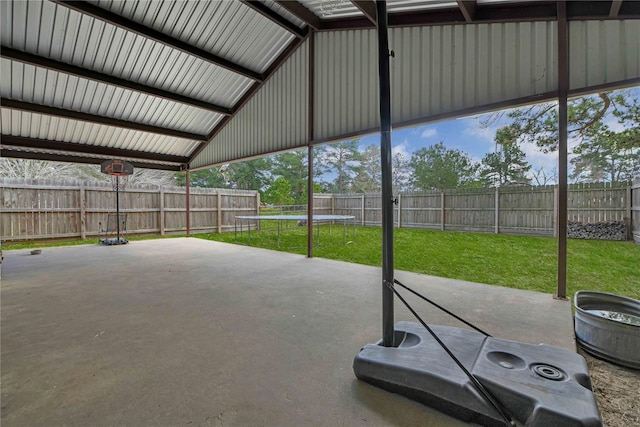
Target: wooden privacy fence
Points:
(635, 211)
(43, 209)
(36, 209)
(509, 210)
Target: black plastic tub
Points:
(608, 326)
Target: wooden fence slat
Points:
(37, 209)
(40, 209)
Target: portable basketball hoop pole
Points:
(467, 374)
(116, 169)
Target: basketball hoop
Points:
(119, 171)
(119, 182)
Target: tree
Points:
(250, 174)
(293, 166)
(209, 178)
(151, 177)
(606, 156)
(38, 169)
(342, 159)
(628, 113)
(400, 173)
(507, 166)
(538, 123)
(278, 193)
(601, 153)
(43, 169)
(437, 167)
(541, 176)
(368, 178)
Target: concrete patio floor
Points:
(181, 332)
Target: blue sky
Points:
(464, 134)
(468, 135)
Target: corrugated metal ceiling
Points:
(331, 9)
(229, 79)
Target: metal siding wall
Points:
(436, 70)
(442, 69)
(275, 119)
(603, 52)
(346, 82)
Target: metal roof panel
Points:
(32, 125)
(331, 9)
(284, 13)
(439, 70)
(28, 84)
(240, 35)
(89, 43)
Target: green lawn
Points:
(514, 261)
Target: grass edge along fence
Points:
(523, 210)
(55, 209)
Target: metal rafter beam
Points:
(425, 17)
(269, 13)
(615, 8)
(368, 9)
(108, 121)
(600, 10)
(468, 9)
(61, 67)
(432, 17)
(48, 145)
(301, 13)
(520, 12)
(517, 13)
(352, 23)
(134, 27)
(6, 151)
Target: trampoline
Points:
(346, 220)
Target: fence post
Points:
(83, 213)
(442, 210)
(161, 213)
(219, 202)
(257, 203)
(362, 211)
(399, 208)
(188, 202)
(333, 204)
(628, 221)
(555, 211)
(497, 209)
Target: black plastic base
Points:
(538, 385)
(114, 241)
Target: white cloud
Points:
(536, 158)
(402, 149)
(429, 132)
(486, 134)
(483, 136)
